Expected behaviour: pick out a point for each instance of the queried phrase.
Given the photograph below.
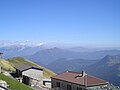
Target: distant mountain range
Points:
(104, 63)
(7, 43)
(47, 56)
(41, 55)
(21, 50)
(64, 64)
(107, 68)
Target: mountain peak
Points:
(111, 59)
(55, 48)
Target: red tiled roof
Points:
(86, 80)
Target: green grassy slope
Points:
(17, 61)
(6, 65)
(13, 84)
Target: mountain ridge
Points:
(17, 61)
(47, 56)
(107, 68)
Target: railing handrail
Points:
(4, 87)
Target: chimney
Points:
(81, 75)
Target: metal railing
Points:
(1, 87)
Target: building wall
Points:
(63, 85)
(34, 75)
(47, 82)
(96, 87)
(26, 80)
(18, 73)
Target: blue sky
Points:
(82, 22)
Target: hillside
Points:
(65, 64)
(47, 56)
(107, 68)
(13, 84)
(6, 65)
(9, 64)
(44, 56)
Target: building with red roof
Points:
(77, 81)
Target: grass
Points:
(6, 65)
(17, 61)
(14, 84)
(9, 65)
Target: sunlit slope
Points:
(11, 63)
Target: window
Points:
(69, 87)
(78, 88)
(58, 84)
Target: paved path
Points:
(7, 74)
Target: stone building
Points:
(30, 75)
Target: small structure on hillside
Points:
(30, 75)
(77, 81)
(47, 82)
